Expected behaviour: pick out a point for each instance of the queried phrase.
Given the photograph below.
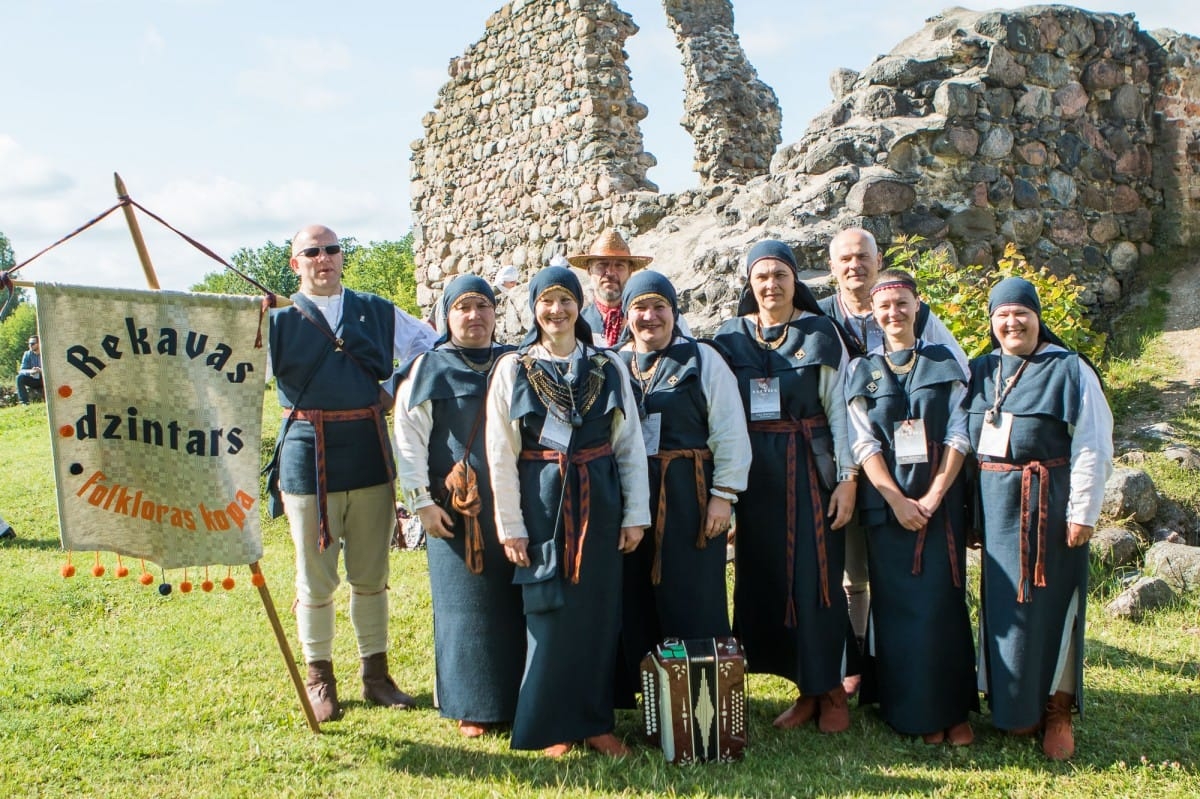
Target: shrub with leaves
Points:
(959, 295)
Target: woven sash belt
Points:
(805, 428)
(317, 418)
(698, 456)
(575, 528)
(935, 458)
(1028, 470)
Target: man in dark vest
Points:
(855, 261)
(333, 471)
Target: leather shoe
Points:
(803, 711)
(471, 729)
(833, 713)
(607, 744)
(934, 738)
(556, 750)
(961, 734)
(1058, 742)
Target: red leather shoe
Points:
(1058, 742)
(961, 734)
(833, 711)
(799, 714)
(557, 750)
(934, 738)
(471, 729)
(607, 744)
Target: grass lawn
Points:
(109, 689)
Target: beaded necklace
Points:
(566, 397)
(771, 345)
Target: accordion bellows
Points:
(694, 699)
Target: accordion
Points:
(694, 699)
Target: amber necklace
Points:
(564, 395)
(771, 345)
(647, 377)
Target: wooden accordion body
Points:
(694, 699)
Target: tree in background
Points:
(7, 261)
(385, 268)
(14, 340)
(381, 267)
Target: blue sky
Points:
(240, 120)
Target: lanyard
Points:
(1002, 394)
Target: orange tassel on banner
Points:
(207, 585)
(185, 587)
(98, 568)
(68, 569)
(228, 583)
(122, 569)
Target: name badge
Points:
(993, 438)
(556, 432)
(911, 446)
(652, 432)
(764, 399)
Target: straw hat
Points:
(609, 244)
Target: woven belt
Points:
(935, 457)
(1028, 470)
(574, 529)
(317, 418)
(805, 427)
(698, 456)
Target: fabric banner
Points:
(155, 403)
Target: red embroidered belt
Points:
(805, 428)
(317, 418)
(1028, 470)
(698, 456)
(575, 529)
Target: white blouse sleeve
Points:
(411, 438)
(502, 439)
(1091, 450)
(727, 433)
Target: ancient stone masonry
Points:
(733, 117)
(1073, 134)
(532, 138)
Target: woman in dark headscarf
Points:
(789, 608)
(699, 456)
(568, 470)
(478, 626)
(908, 431)
(1042, 432)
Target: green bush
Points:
(959, 296)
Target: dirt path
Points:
(1181, 338)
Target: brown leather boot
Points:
(321, 688)
(799, 714)
(833, 711)
(1058, 741)
(378, 686)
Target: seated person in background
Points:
(30, 375)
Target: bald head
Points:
(317, 260)
(309, 235)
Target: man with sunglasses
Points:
(30, 375)
(332, 472)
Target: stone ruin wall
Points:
(1073, 134)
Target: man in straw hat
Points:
(609, 263)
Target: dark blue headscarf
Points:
(655, 284)
(1019, 291)
(802, 297)
(463, 284)
(556, 277)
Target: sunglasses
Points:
(313, 252)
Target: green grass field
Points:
(109, 689)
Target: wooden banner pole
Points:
(152, 279)
(139, 243)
